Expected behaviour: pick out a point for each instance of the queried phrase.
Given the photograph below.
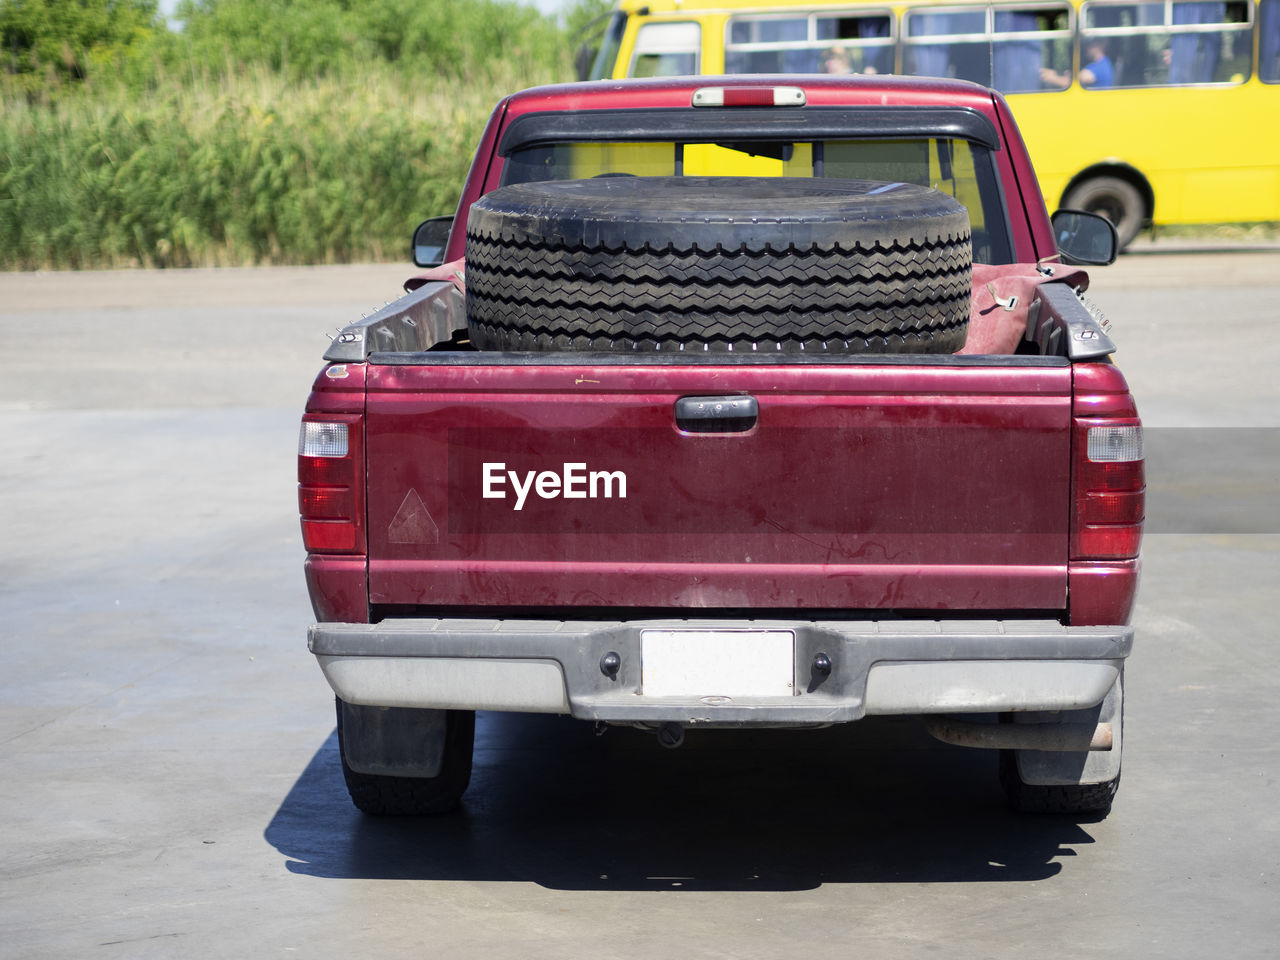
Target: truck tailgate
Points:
(569, 482)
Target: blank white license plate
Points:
(717, 663)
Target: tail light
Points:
(749, 96)
(330, 486)
(1109, 489)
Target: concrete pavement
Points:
(171, 782)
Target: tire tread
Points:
(671, 287)
(385, 796)
(1086, 798)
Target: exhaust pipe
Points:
(1053, 737)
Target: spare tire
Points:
(718, 264)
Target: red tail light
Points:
(749, 96)
(1109, 489)
(330, 483)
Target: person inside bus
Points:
(837, 61)
(1095, 74)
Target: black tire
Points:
(1080, 798)
(718, 264)
(1088, 799)
(385, 796)
(1114, 198)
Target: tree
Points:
(71, 38)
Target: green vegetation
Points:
(49, 42)
(265, 131)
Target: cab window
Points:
(955, 167)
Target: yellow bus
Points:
(1146, 111)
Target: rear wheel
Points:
(1078, 783)
(382, 795)
(1114, 198)
(1063, 798)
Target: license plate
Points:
(717, 663)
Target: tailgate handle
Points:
(735, 414)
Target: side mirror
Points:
(583, 59)
(429, 241)
(1085, 239)
(589, 38)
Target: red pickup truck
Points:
(736, 402)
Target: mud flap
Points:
(392, 741)
(1044, 768)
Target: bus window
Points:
(666, 50)
(767, 30)
(838, 29)
(1009, 48)
(842, 42)
(1269, 41)
(1158, 44)
(1194, 57)
(770, 45)
(949, 43)
(1025, 43)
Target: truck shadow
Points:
(550, 803)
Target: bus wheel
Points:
(1114, 198)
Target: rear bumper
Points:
(876, 667)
